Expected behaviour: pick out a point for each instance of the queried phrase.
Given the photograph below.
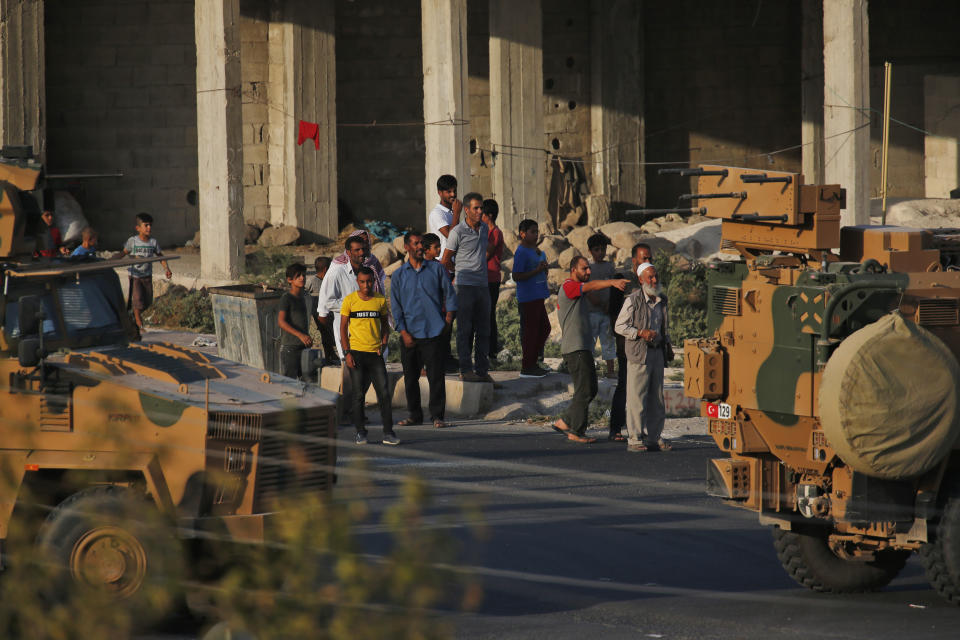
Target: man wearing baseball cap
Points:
(643, 324)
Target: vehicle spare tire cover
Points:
(890, 399)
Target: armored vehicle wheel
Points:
(108, 540)
(807, 557)
(941, 556)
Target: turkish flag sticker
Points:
(712, 410)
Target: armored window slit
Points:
(234, 426)
(726, 301)
(56, 413)
(938, 312)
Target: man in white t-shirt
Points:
(446, 215)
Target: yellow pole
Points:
(887, 72)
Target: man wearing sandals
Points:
(423, 303)
(643, 324)
(576, 345)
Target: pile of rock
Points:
(261, 232)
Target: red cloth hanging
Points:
(309, 131)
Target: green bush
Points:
(269, 266)
(183, 308)
(686, 288)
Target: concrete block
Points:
(464, 399)
(173, 12)
(254, 71)
(677, 404)
(253, 30)
(167, 54)
(255, 112)
(255, 51)
(181, 74)
(255, 153)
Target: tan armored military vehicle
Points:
(108, 432)
(831, 379)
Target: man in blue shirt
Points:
(530, 273)
(423, 303)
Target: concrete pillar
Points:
(811, 87)
(23, 104)
(516, 111)
(941, 147)
(616, 113)
(220, 139)
(445, 99)
(846, 110)
(303, 86)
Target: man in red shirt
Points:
(576, 345)
(494, 254)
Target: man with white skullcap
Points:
(643, 324)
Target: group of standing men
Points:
(454, 271)
(425, 295)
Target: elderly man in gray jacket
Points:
(643, 324)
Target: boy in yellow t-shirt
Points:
(363, 335)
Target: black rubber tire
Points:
(807, 558)
(100, 520)
(941, 555)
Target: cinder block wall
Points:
(478, 66)
(254, 66)
(722, 84)
(566, 78)
(919, 38)
(566, 90)
(121, 95)
(380, 78)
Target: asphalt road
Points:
(592, 541)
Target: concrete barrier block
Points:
(331, 380)
(677, 404)
(463, 398)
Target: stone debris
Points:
(552, 246)
(385, 253)
(567, 256)
(930, 213)
(280, 236)
(205, 341)
(578, 238)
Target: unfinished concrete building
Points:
(562, 111)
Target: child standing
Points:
(327, 339)
(530, 274)
(494, 254)
(88, 244)
(431, 246)
(599, 316)
(363, 333)
(143, 245)
(294, 318)
(49, 240)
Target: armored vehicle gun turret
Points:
(106, 433)
(830, 378)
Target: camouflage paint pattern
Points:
(777, 314)
(211, 441)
